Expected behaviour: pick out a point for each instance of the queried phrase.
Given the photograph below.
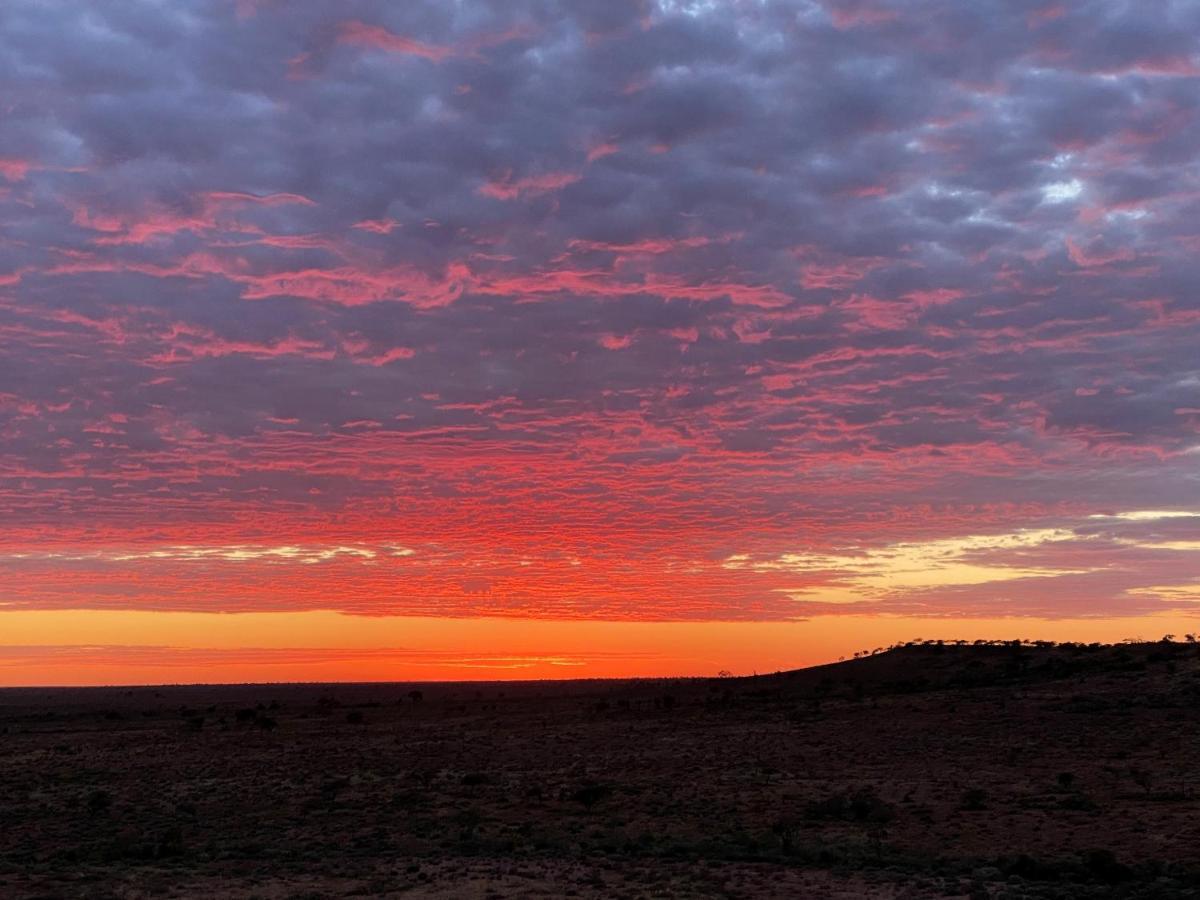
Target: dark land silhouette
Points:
(926, 770)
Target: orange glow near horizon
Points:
(85, 647)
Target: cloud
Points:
(580, 301)
(378, 38)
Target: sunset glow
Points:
(372, 341)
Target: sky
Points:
(550, 339)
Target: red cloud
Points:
(376, 37)
(14, 169)
(508, 188)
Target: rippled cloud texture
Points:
(675, 310)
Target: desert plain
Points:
(985, 770)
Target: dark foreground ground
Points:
(921, 772)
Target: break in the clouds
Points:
(669, 310)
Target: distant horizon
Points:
(608, 651)
(950, 643)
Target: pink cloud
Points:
(14, 169)
(507, 188)
(361, 34)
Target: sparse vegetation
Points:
(861, 804)
(588, 795)
(1008, 768)
(974, 799)
(98, 801)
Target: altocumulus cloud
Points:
(622, 309)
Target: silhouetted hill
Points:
(952, 665)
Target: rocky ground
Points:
(925, 771)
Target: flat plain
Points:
(930, 770)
